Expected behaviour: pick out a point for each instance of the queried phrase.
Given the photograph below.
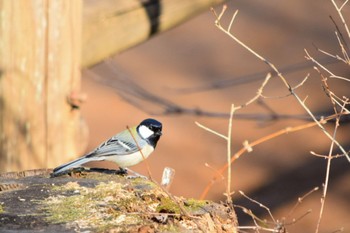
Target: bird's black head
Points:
(150, 130)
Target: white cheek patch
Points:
(145, 132)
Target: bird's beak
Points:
(159, 133)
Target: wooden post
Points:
(40, 54)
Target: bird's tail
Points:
(72, 164)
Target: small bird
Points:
(123, 148)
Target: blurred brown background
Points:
(197, 54)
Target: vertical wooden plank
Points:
(39, 62)
(63, 72)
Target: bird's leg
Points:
(136, 175)
(123, 171)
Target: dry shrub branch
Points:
(340, 108)
(274, 68)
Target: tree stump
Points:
(101, 200)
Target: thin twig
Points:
(329, 160)
(309, 57)
(341, 16)
(340, 8)
(326, 156)
(249, 212)
(258, 94)
(229, 139)
(300, 199)
(341, 102)
(215, 171)
(210, 130)
(258, 203)
(344, 52)
(143, 156)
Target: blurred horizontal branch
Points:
(249, 78)
(111, 26)
(148, 101)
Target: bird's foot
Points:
(136, 175)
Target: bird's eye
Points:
(154, 128)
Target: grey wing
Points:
(121, 144)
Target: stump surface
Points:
(101, 200)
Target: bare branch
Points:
(279, 74)
(341, 16)
(258, 203)
(210, 130)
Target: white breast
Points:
(131, 159)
